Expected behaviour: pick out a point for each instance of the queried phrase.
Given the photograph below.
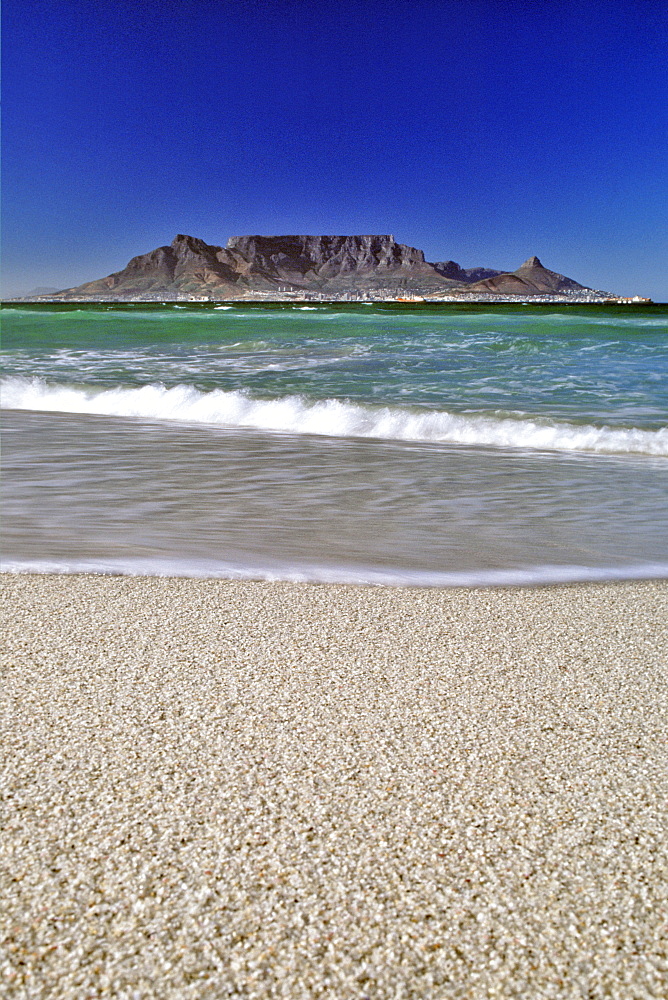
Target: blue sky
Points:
(478, 131)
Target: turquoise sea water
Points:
(386, 443)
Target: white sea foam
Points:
(274, 570)
(331, 417)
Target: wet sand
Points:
(238, 789)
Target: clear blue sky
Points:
(475, 130)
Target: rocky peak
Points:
(450, 269)
(184, 246)
(529, 279)
(183, 242)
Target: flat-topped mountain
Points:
(329, 266)
(326, 256)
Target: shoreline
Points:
(612, 300)
(261, 789)
(341, 575)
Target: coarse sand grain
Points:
(277, 790)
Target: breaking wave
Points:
(330, 417)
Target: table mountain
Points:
(331, 266)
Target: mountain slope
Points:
(529, 279)
(332, 266)
(466, 276)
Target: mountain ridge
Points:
(335, 267)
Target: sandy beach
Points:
(241, 789)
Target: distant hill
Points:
(328, 266)
(466, 276)
(529, 279)
(40, 290)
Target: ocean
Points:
(363, 443)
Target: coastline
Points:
(602, 299)
(247, 788)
